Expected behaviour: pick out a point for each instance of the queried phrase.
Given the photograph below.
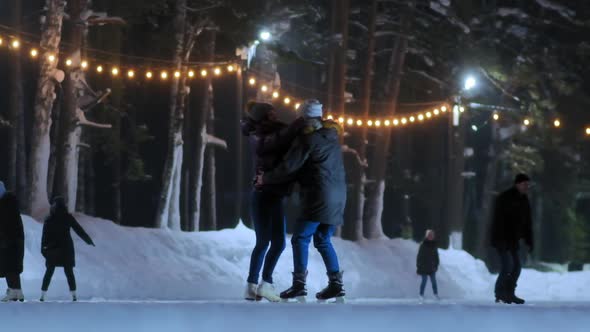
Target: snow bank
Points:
(153, 264)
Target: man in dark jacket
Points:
(315, 162)
(12, 244)
(512, 222)
(269, 141)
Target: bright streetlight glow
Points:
(265, 35)
(470, 83)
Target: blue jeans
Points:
(506, 282)
(432, 281)
(321, 233)
(268, 213)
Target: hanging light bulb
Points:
(341, 119)
(264, 88)
(1, 41)
(377, 123)
(297, 106)
(34, 53)
(287, 101)
(164, 75)
(496, 116)
(350, 121)
(420, 117)
(98, 69)
(330, 117)
(436, 112)
(387, 123)
(443, 109)
(217, 71)
(84, 64)
(191, 74)
(461, 109)
(115, 71)
(526, 122)
(68, 62)
(370, 123)
(395, 122)
(51, 58)
(588, 131)
(412, 119)
(557, 123)
(428, 115)
(149, 75)
(275, 94)
(359, 123)
(404, 121)
(204, 73)
(252, 81)
(230, 68)
(15, 44)
(130, 73)
(177, 74)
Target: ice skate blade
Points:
(339, 300)
(298, 299)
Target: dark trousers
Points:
(13, 280)
(432, 281)
(321, 233)
(509, 273)
(69, 271)
(268, 213)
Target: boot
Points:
(267, 291)
(250, 293)
(74, 296)
(11, 295)
(297, 290)
(513, 298)
(43, 294)
(335, 287)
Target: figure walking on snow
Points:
(12, 245)
(512, 222)
(57, 246)
(427, 263)
(269, 141)
(315, 162)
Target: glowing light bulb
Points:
(287, 101)
(130, 74)
(396, 122)
(588, 131)
(34, 53)
(177, 74)
(526, 122)
(264, 88)
(350, 121)
(404, 121)
(330, 117)
(149, 75)
(387, 123)
(191, 74)
(51, 58)
(164, 75)
(461, 109)
(412, 119)
(99, 69)
(68, 62)
(15, 44)
(370, 123)
(84, 64)
(1, 41)
(252, 81)
(428, 115)
(204, 73)
(297, 106)
(496, 116)
(341, 119)
(377, 123)
(115, 71)
(443, 109)
(217, 71)
(275, 95)
(557, 123)
(359, 123)
(230, 68)
(420, 117)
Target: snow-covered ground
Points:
(151, 280)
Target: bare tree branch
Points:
(215, 142)
(497, 84)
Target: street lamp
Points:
(265, 35)
(470, 83)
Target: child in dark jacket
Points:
(57, 246)
(427, 263)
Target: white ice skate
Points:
(421, 299)
(267, 291)
(13, 295)
(74, 296)
(250, 293)
(43, 295)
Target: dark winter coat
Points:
(56, 244)
(12, 236)
(269, 141)
(315, 162)
(427, 261)
(512, 220)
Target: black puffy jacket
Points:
(56, 244)
(315, 162)
(427, 261)
(12, 236)
(512, 220)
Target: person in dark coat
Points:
(315, 162)
(427, 263)
(12, 245)
(57, 246)
(269, 140)
(511, 222)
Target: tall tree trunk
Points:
(239, 186)
(17, 177)
(168, 209)
(200, 138)
(52, 169)
(489, 186)
(355, 231)
(50, 38)
(90, 186)
(82, 180)
(456, 164)
(70, 129)
(373, 224)
(210, 224)
(340, 46)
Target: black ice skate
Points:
(515, 299)
(335, 289)
(297, 290)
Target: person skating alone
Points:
(427, 263)
(315, 162)
(512, 221)
(12, 245)
(57, 246)
(269, 140)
